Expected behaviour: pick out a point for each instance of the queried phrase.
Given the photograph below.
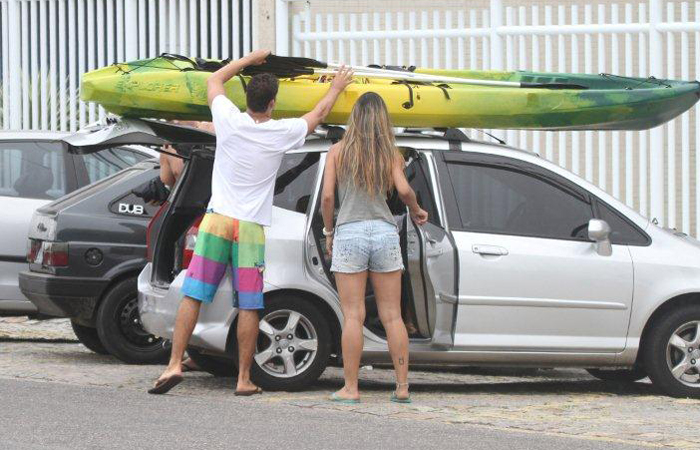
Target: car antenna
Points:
(500, 141)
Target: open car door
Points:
(431, 262)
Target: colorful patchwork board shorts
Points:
(221, 241)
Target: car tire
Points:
(89, 337)
(619, 375)
(120, 330)
(309, 363)
(660, 355)
(217, 366)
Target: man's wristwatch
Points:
(328, 232)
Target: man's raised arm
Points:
(215, 82)
(317, 115)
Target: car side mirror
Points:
(599, 232)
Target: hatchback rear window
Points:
(109, 161)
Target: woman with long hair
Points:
(366, 167)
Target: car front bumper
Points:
(63, 296)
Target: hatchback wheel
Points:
(672, 355)
(89, 338)
(120, 330)
(293, 345)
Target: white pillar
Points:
(15, 64)
(656, 150)
(496, 20)
(282, 28)
(131, 32)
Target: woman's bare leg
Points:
(351, 289)
(387, 291)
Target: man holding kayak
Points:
(249, 150)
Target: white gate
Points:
(45, 45)
(654, 171)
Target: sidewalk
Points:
(24, 328)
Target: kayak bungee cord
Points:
(291, 67)
(649, 80)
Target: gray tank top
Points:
(356, 204)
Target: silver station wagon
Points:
(522, 263)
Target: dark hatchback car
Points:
(86, 249)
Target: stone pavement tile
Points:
(414, 415)
(684, 444)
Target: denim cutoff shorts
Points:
(366, 245)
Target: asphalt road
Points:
(54, 393)
(59, 416)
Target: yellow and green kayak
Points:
(174, 87)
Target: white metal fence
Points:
(45, 45)
(654, 171)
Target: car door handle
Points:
(434, 253)
(489, 250)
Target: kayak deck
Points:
(176, 89)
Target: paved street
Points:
(60, 395)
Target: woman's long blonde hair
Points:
(367, 152)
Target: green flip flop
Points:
(397, 399)
(350, 401)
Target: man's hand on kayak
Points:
(215, 82)
(257, 57)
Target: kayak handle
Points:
(552, 85)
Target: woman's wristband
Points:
(328, 233)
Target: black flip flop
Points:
(248, 393)
(187, 367)
(165, 385)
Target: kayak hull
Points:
(610, 103)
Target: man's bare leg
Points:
(186, 319)
(247, 334)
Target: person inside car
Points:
(249, 151)
(365, 166)
(171, 166)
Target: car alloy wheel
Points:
(683, 354)
(287, 344)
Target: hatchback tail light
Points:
(47, 253)
(149, 229)
(190, 242)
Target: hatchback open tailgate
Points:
(136, 132)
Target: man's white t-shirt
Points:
(246, 161)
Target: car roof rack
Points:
(449, 134)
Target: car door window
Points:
(505, 200)
(417, 176)
(32, 170)
(109, 161)
(622, 232)
(295, 181)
